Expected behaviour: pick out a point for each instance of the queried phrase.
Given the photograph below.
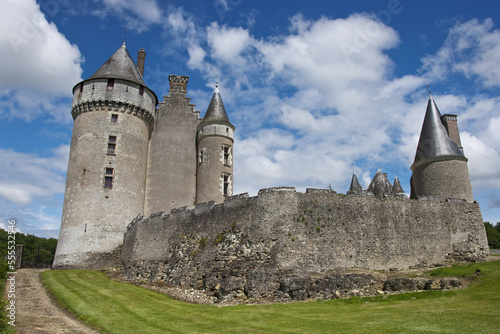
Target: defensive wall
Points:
(283, 242)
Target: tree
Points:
(493, 235)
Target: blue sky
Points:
(313, 87)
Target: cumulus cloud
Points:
(227, 43)
(472, 48)
(26, 177)
(327, 90)
(138, 14)
(35, 55)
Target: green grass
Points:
(123, 308)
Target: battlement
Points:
(281, 233)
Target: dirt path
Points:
(37, 312)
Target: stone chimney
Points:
(450, 123)
(178, 80)
(141, 58)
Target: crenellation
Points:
(203, 208)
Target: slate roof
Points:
(355, 186)
(120, 66)
(434, 140)
(216, 112)
(380, 186)
(396, 188)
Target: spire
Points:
(216, 113)
(396, 188)
(119, 66)
(355, 187)
(434, 141)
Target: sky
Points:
(315, 89)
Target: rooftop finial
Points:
(124, 36)
(216, 85)
(429, 90)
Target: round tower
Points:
(440, 167)
(214, 178)
(113, 114)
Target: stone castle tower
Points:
(440, 166)
(129, 157)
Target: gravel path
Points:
(37, 311)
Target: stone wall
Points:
(284, 243)
(171, 178)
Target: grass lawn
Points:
(122, 308)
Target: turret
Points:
(113, 114)
(440, 167)
(397, 190)
(355, 188)
(214, 180)
(380, 186)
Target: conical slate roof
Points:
(216, 113)
(434, 141)
(120, 66)
(396, 188)
(355, 186)
(380, 185)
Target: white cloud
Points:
(35, 55)
(483, 162)
(28, 105)
(28, 176)
(227, 43)
(138, 14)
(471, 48)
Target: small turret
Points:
(215, 153)
(440, 167)
(355, 188)
(397, 190)
(380, 186)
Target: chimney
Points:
(450, 123)
(141, 57)
(178, 80)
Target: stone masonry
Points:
(282, 242)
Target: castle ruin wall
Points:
(281, 241)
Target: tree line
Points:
(36, 249)
(493, 234)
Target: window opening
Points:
(108, 178)
(226, 155)
(111, 83)
(141, 90)
(114, 118)
(111, 145)
(226, 178)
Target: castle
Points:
(129, 157)
(133, 156)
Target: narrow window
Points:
(81, 88)
(226, 152)
(201, 155)
(108, 178)
(226, 185)
(111, 83)
(114, 118)
(141, 90)
(111, 145)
